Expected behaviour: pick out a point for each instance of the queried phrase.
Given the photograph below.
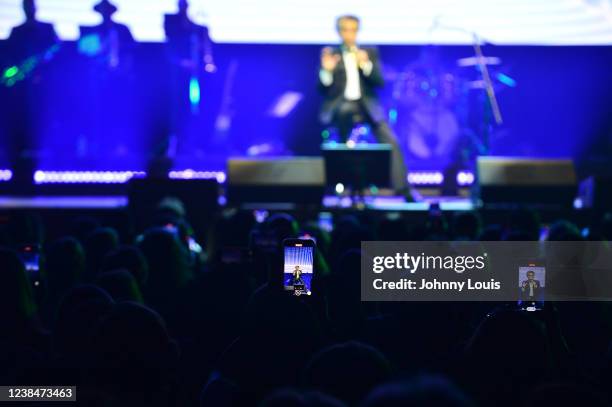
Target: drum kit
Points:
(444, 114)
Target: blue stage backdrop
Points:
(263, 99)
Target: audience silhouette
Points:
(138, 322)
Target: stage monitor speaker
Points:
(299, 180)
(358, 166)
(200, 198)
(526, 181)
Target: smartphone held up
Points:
(298, 266)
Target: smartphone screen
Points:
(532, 285)
(30, 256)
(298, 266)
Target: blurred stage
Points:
(247, 109)
(79, 120)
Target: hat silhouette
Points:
(105, 7)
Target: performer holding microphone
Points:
(348, 78)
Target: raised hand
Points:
(329, 60)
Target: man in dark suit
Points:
(29, 48)
(110, 47)
(349, 77)
(115, 39)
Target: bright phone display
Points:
(298, 266)
(531, 285)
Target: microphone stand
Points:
(484, 71)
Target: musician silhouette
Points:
(349, 79)
(189, 52)
(31, 38)
(114, 40)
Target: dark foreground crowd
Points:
(150, 320)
